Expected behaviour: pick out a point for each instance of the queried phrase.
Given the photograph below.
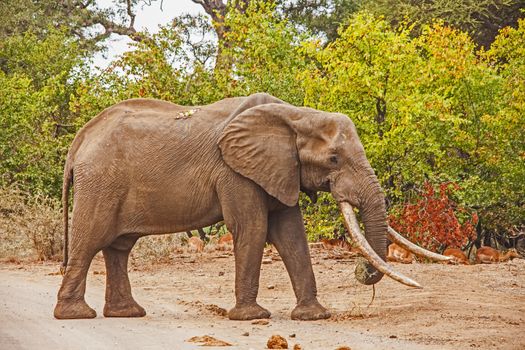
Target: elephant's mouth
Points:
(325, 186)
(362, 244)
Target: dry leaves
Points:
(262, 322)
(206, 340)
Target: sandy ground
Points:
(460, 307)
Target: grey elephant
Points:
(144, 167)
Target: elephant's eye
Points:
(334, 160)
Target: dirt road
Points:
(480, 306)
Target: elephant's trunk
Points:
(373, 216)
(360, 187)
(364, 272)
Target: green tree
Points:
(480, 18)
(505, 156)
(84, 20)
(427, 108)
(37, 79)
(264, 52)
(320, 17)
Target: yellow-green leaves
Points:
(261, 53)
(428, 107)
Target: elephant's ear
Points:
(260, 144)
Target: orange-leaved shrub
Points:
(435, 220)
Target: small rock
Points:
(297, 347)
(267, 261)
(277, 342)
(246, 334)
(271, 286)
(221, 273)
(292, 335)
(343, 348)
(393, 336)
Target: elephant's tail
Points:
(68, 180)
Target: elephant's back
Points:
(111, 124)
(141, 104)
(130, 107)
(138, 129)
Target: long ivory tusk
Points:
(355, 232)
(405, 243)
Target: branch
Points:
(212, 8)
(130, 14)
(111, 27)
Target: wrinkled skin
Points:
(141, 167)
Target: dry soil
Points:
(460, 307)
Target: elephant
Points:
(146, 166)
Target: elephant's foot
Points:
(248, 312)
(310, 311)
(128, 308)
(69, 309)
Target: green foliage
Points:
(85, 20)
(321, 219)
(427, 108)
(321, 17)
(427, 105)
(481, 19)
(263, 54)
(37, 78)
(505, 156)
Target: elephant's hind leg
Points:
(71, 302)
(119, 301)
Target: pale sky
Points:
(148, 17)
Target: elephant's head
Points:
(286, 149)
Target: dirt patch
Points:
(477, 306)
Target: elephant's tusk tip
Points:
(416, 286)
(410, 282)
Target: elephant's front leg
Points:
(286, 232)
(249, 227)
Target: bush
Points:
(427, 107)
(38, 77)
(434, 220)
(321, 219)
(431, 108)
(158, 248)
(30, 227)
